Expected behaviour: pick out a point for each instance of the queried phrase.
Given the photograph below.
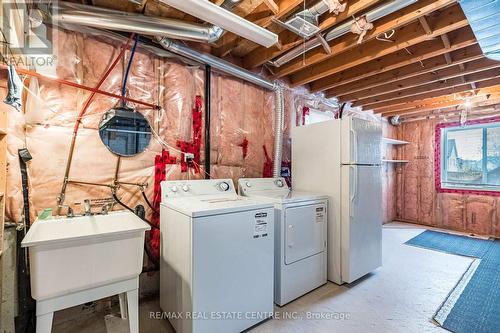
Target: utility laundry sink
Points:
(80, 259)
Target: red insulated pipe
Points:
(103, 78)
(79, 86)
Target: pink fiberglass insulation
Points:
(420, 202)
(239, 111)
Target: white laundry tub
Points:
(72, 254)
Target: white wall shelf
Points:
(395, 161)
(390, 141)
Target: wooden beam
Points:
(411, 93)
(272, 6)
(425, 25)
(485, 97)
(432, 48)
(230, 40)
(454, 111)
(434, 64)
(423, 79)
(448, 20)
(289, 40)
(416, 101)
(446, 41)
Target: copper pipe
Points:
(79, 182)
(60, 199)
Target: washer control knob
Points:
(185, 188)
(223, 186)
(248, 184)
(279, 183)
(174, 189)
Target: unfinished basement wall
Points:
(418, 200)
(242, 116)
(389, 174)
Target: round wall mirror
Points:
(124, 131)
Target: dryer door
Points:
(305, 233)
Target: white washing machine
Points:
(300, 236)
(217, 257)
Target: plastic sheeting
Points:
(241, 112)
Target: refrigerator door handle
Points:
(354, 145)
(353, 191)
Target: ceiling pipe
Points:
(230, 4)
(96, 17)
(209, 12)
(340, 30)
(215, 62)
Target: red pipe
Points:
(80, 86)
(103, 78)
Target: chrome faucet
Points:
(105, 209)
(70, 212)
(88, 208)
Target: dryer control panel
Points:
(191, 188)
(250, 185)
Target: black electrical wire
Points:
(130, 209)
(341, 111)
(148, 202)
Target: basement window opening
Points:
(470, 158)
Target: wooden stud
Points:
(272, 6)
(425, 25)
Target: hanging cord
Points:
(125, 78)
(147, 200)
(130, 209)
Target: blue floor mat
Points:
(454, 244)
(474, 307)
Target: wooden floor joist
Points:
(413, 93)
(487, 87)
(434, 64)
(288, 39)
(453, 72)
(485, 99)
(461, 38)
(448, 20)
(406, 30)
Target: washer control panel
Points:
(188, 188)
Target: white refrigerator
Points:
(342, 158)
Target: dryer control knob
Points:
(248, 184)
(174, 189)
(279, 183)
(223, 186)
(185, 188)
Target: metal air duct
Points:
(341, 30)
(71, 13)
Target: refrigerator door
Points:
(361, 221)
(361, 141)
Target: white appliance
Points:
(217, 252)
(300, 220)
(342, 158)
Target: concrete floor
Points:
(402, 296)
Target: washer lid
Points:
(206, 205)
(287, 196)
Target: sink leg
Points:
(133, 310)
(123, 305)
(44, 323)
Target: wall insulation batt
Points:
(239, 111)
